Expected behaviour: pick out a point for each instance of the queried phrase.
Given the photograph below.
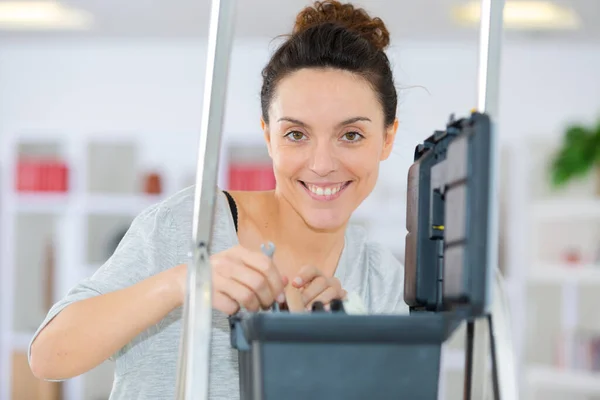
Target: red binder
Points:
(41, 176)
(253, 177)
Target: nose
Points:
(323, 159)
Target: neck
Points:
(301, 244)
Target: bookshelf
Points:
(54, 234)
(560, 330)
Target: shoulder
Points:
(181, 204)
(378, 257)
(179, 210)
(383, 272)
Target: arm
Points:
(123, 299)
(88, 332)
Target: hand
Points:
(240, 277)
(245, 278)
(314, 286)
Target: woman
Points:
(329, 118)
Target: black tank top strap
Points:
(233, 207)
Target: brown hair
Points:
(330, 34)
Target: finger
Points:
(326, 296)
(256, 282)
(265, 266)
(246, 267)
(225, 304)
(242, 294)
(306, 275)
(313, 289)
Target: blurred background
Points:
(100, 109)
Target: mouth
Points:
(325, 192)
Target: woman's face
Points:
(326, 136)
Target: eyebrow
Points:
(346, 122)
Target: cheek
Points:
(363, 163)
(287, 160)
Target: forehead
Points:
(324, 94)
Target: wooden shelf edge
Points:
(588, 274)
(553, 377)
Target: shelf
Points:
(45, 203)
(58, 203)
(564, 273)
(112, 167)
(585, 382)
(52, 239)
(35, 239)
(567, 209)
(113, 204)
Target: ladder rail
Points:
(193, 372)
(488, 101)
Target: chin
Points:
(324, 220)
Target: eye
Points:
(295, 136)
(353, 136)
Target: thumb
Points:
(305, 275)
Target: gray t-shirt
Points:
(160, 238)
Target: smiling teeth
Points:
(319, 191)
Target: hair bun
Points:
(356, 19)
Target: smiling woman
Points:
(329, 119)
(329, 112)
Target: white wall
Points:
(154, 91)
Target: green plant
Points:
(579, 153)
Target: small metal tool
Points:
(269, 250)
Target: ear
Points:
(390, 136)
(267, 135)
